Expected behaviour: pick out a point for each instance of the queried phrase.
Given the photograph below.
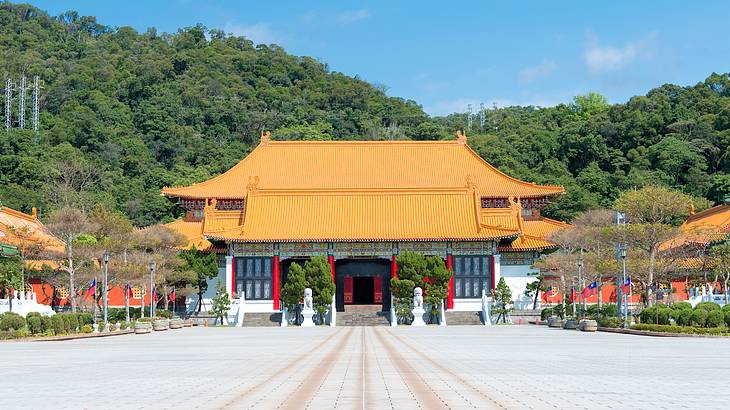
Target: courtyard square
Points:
(458, 367)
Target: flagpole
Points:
(93, 302)
(126, 299)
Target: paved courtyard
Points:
(508, 367)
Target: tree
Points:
(502, 296)
(319, 279)
(653, 214)
(221, 303)
(68, 224)
(293, 289)
(416, 270)
(10, 275)
(533, 289)
(205, 267)
(720, 264)
(589, 104)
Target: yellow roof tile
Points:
(192, 231)
(362, 165)
(534, 233)
(360, 216)
(703, 227)
(11, 219)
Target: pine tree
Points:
(221, 302)
(293, 290)
(502, 296)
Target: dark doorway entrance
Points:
(362, 281)
(362, 290)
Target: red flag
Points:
(572, 295)
(172, 294)
(129, 291)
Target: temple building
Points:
(360, 204)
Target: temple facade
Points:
(360, 204)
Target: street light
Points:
(625, 297)
(582, 282)
(106, 294)
(152, 284)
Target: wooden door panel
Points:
(348, 290)
(378, 289)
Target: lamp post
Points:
(623, 281)
(582, 282)
(152, 284)
(106, 290)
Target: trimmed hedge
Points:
(649, 315)
(34, 325)
(682, 329)
(699, 317)
(708, 306)
(12, 321)
(715, 319)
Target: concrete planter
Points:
(176, 323)
(588, 325)
(570, 324)
(160, 324)
(556, 322)
(142, 327)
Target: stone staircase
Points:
(458, 318)
(262, 319)
(362, 315)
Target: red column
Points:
(450, 268)
(331, 260)
(393, 268)
(491, 280)
(275, 282)
(233, 277)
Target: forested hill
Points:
(125, 113)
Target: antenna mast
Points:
(8, 103)
(36, 96)
(469, 117)
(21, 103)
(481, 115)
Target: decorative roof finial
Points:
(34, 213)
(265, 137)
(461, 136)
(470, 182)
(691, 209)
(253, 183)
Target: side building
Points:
(360, 204)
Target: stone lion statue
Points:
(308, 299)
(417, 297)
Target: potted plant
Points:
(176, 323)
(159, 324)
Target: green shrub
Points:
(546, 313)
(85, 319)
(681, 329)
(46, 324)
(12, 321)
(715, 318)
(610, 322)
(592, 311)
(726, 308)
(684, 317)
(32, 314)
(708, 306)
(649, 315)
(610, 310)
(727, 318)
(123, 325)
(144, 319)
(65, 321)
(699, 317)
(73, 322)
(34, 325)
(87, 329)
(681, 306)
(57, 324)
(164, 313)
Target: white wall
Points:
(517, 278)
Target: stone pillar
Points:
(275, 282)
(450, 268)
(496, 269)
(229, 276)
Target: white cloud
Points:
(541, 70)
(352, 16)
(259, 33)
(609, 58)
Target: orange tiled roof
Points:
(362, 165)
(534, 234)
(361, 216)
(193, 231)
(703, 227)
(11, 219)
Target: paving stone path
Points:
(457, 367)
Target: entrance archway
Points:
(362, 281)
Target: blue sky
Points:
(445, 55)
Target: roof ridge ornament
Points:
(253, 183)
(470, 183)
(265, 137)
(461, 136)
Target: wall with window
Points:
(471, 275)
(254, 276)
